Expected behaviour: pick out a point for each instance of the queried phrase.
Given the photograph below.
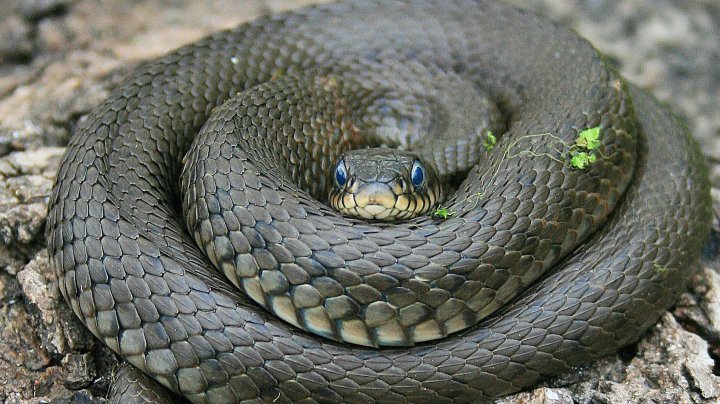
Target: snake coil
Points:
(569, 264)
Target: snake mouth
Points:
(374, 209)
(381, 201)
(371, 201)
(376, 212)
(374, 197)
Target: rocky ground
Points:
(58, 58)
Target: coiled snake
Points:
(569, 259)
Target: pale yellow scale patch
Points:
(348, 200)
(355, 332)
(283, 307)
(402, 202)
(317, 321)
(455, 323)
(230, 273)
(391, 333)
(254, 290)
(427, 330)
(210, 251)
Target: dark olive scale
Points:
(269, 108)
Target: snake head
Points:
(383, 184)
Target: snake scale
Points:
(542, 266)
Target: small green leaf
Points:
(582, 160)
(589, 138)
(443, 212)
(490, 141)
(660, 268)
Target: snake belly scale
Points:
(543, 266)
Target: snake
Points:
(190, 232)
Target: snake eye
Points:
(340, 173)
(417, 174)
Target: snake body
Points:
(570, 263)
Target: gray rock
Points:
(542, 395)
(17, 44)
(26, 180)
(36, 9)
(671, 365)
(43, 298)
(18, 20)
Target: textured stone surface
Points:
(59, 58)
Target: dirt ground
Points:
(59, 58)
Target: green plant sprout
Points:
(589, 138)
(660, 268)
(442, 212)
(490, 141)
(581, 154)
(582, 160)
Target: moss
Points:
(442, 212)
(583, 152)
(582, 160)
(490, 141)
